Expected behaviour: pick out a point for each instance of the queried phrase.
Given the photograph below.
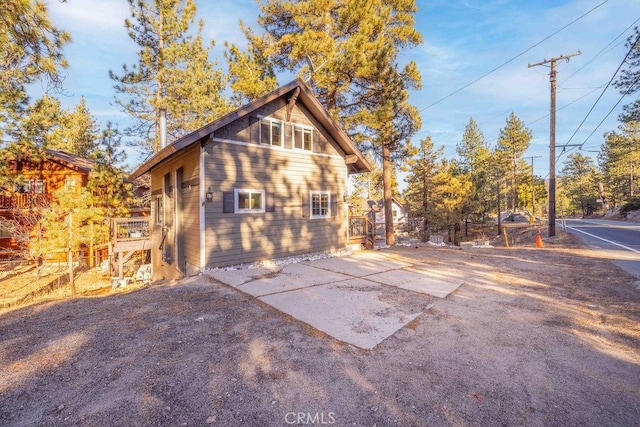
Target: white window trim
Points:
(271, 120)
(237, 191)
(293, 137)
(311, 194)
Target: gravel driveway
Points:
(549, 337)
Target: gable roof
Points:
(70, 160)
(305, 96)
(377, 205)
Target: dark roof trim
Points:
(70, 160)
(307, 98)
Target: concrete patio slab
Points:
(237, 277)
(359, 264)
(349, 311)
(291, 277)
(420, 279)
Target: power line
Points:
(612, 108)
(512, 59)
(637, 98)
(552, 137)
(597, 55)
(604, 90)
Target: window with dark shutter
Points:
(228, 202)
(306, 205)
(270, 202)
(334, 205)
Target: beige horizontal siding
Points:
(189, 160)
(246, 129)
(240, 238)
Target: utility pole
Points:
(552, 138)
(533, 188)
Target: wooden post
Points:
(70, 255)
(506, 237)
(92, 261)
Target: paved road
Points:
(619, 241)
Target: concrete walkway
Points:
(344, 297)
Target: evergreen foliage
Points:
(30, 50)
(629, 78)
(619, 160)
(579, 183)
(474, 159)
(513, 141)
(173, 72)
(349, 52)
(251, 75)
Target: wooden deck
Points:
(362, 230)
(128, 235)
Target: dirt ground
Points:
(551, 337)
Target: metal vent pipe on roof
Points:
(163, 127)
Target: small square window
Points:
(320, 204)
(271, 132)
(249, 201)
(70, 183)
(302, 138)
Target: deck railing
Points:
(130, 228)
(23, 200)
(361, 230)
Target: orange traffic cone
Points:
(539, 241)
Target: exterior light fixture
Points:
(209, 194)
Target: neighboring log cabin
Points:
(268, 180)
(35, 184)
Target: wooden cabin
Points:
(268, 180)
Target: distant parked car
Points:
(516, 217)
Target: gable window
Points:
(320, 204)
(302, 137)
(249, 201)
(271, 132)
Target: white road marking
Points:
(605, 240)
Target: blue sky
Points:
(463, 40)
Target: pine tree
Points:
(474, 154)
(420, 192)
(68, 224)
(349, 52)
(251, 74)
(580, 183)
(30, 49)
(367, 185)
(76, 132)
(38, 129)
(513, 141)
(107, 180)
(619, 159)
(173, 73)
(629, 78)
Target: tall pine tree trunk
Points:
(388, 203)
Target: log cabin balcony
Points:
(24, 201)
